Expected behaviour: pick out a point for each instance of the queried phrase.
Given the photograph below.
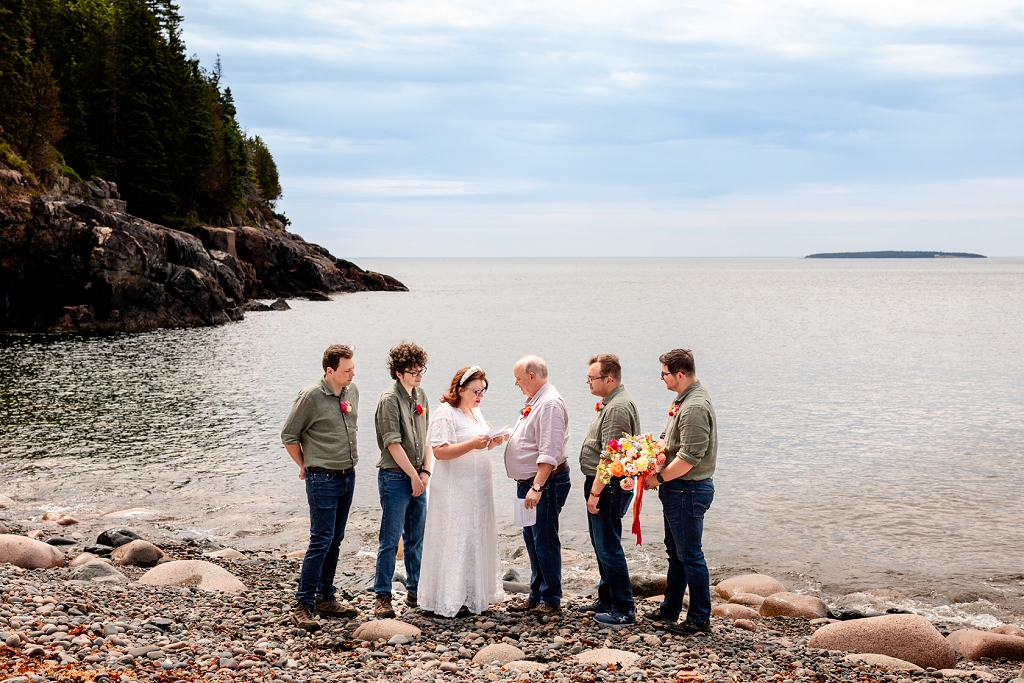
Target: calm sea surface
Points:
(871, 412)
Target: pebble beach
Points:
(99, 619)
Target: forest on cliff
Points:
(105, 88)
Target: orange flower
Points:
(617, 469)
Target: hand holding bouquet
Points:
(628, 457)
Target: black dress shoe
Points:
(688, 628)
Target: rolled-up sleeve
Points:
(551, 423)
(297, 422)
(389, 421)
(694, 434)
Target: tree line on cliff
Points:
(104, 88)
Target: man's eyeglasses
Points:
(591, 380)
(418, 373)
(666, 374)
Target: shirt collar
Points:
(539, 393)
(612, 394)
(686, 392)
(400, 388)
(326, 388)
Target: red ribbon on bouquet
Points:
(637, 504)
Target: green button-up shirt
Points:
(692, 434)
(327, 435)
(397, 422)
(618, 415)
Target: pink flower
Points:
(626, 484)
(346, 407)
(418, 409)
(674, 410)
(598, 406)
(613, 444)
(661, 459)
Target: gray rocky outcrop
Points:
(74, 260)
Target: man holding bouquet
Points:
(686, 491)
(615, 415)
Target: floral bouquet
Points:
(628, 457)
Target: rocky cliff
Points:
(72, 259)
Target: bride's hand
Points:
(479, 442)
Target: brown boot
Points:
(303, 617)
(333, 608)
(382, 608)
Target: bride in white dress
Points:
(459, 571)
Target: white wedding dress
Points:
(460, 542)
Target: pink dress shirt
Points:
(540, 437)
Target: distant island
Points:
(898, 254)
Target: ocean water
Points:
(871, 411)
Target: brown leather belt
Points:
(327, 471)
(399, 469)
(560, 468)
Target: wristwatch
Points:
(536, 487)
(661, 480)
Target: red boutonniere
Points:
(525, 411)
(598, 406)
(346, 407)
(418, 409)
(674, 410)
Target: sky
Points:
(719, 128)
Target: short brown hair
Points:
(404, 357)
(452, 397)
(679, 360)
(334, 354)
(609, 365)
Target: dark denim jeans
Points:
(330, 497)
(615, 590)
(683, 504)
(542, 542)
(402, 516)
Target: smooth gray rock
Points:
(98, 572)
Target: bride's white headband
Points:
(469, 373)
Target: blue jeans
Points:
(542, 542)
(683, 504)
(615, 589)
(402, 516)
(330, 497)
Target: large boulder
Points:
(758, 584)
(98, 572)
(647, 586)
(503, 653)
(973, 645)
(386, 629)
(117, 537)
(748, 599)
(29, 553)
(793, 605)
(1009, 630)
(909, 637)
(137, 554)
(193, 573)
(731, 611)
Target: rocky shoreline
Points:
(122, 609)
(73, 259)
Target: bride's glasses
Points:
(479, 392)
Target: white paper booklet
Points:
(523, 517)
(495, 431)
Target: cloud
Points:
(460, 117)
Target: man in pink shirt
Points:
(535, 457)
